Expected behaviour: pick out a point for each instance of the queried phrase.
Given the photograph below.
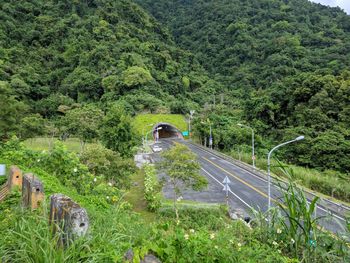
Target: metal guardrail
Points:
(338, 208)
(4, 191)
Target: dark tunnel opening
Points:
(166, 130)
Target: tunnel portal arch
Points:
(166, 130)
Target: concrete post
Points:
(67, 218)
(15, 178)
(32, 191)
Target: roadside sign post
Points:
(185, 133)
(2, 169)
(226, 183)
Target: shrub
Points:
(152, 188)
(109, 165)
(211, 218)
(232, 243)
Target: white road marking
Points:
(229, 190)
(318, 207)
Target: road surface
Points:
(248, 190)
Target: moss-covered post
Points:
(32, 191)
(67, 218)
(15, 178)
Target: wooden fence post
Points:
(67, 218)
(15, 178)
(32, 191)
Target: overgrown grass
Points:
(293, 227)
(3, 180)
(44, 144)
(135, 196)
(144, 121)
(328, 182)
(28, 238)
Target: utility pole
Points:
(189, 122)
(210, 137)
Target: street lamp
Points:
(143, 132)
(269, 164)
(253, 150)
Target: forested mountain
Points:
(280, 66)
(255, 43)
(56, 53)
(287, 61)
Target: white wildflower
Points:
(110, 184)
(192, 231)
(75, 170)
(95, 179)
(274, 243)
(107, 197)
(239, 244)
(216, 247)
(292, 240)
(186, 236)
(279, 231)
(212, 236)
(38, 160)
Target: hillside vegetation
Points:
(286, 64)
(91, 75)
(54, 54)
(145, 122)
(114, 227)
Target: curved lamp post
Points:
(143, 132)
(253, 148)
(269, 164)
(157, 129)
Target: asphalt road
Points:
(248, 191)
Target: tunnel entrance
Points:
(166, 130)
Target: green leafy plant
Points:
(182, 167)
(152, 188)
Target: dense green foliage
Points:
(106, 164)
(285, 63)
(117, 132)
(271, 63)
(59, 52)
(84, 68)
(27, 236)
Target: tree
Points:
(84, 122)
(11, 111)
(182, 167)
(117, 132)
(31, 126)
(135, 76)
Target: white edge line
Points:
(262, 179)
